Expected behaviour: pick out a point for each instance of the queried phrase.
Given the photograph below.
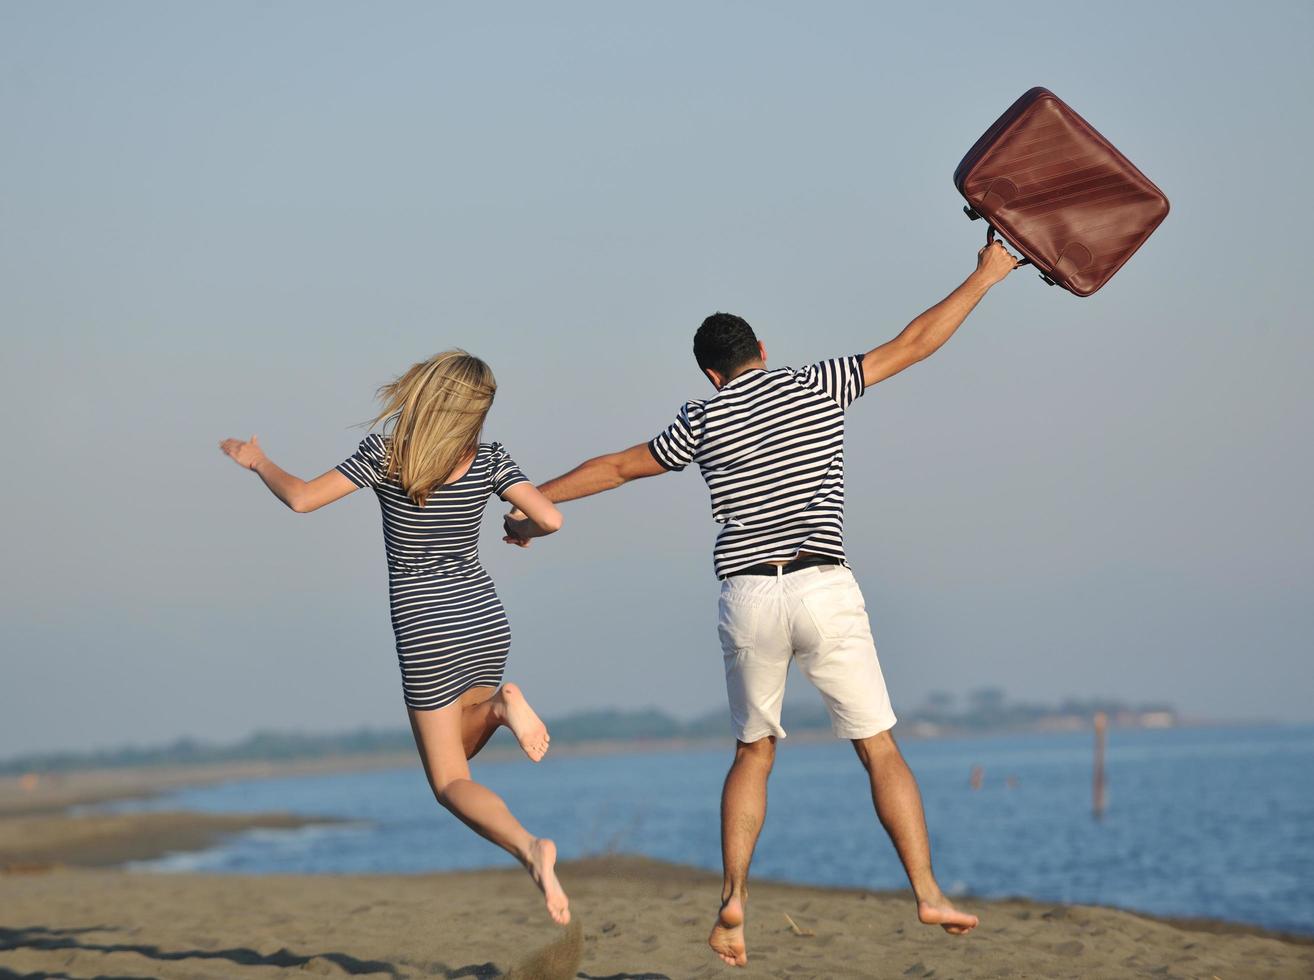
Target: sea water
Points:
(1211, 822)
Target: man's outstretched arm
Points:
(927, 333)
(603, 473)
(594, 476)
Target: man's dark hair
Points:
(725, 342)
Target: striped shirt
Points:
(770, 445)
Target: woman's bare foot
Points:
(525, 725)
(727, 938)
(938, 911)
(541, 863)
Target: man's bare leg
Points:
(899, 807)
(743, 810)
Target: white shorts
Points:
(817, 618)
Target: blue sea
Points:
(1212, 822)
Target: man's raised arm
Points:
(594, 476)
(927, 333)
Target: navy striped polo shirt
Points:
(770, 445)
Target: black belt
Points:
(797, 565)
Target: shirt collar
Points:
(739, 378)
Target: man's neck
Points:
(740, 372)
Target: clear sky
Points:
(243, 217)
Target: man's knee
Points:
(761, 753)
(875, 749)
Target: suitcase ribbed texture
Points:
(1060, 192)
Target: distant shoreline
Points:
(602, 730)
(51, 793)
(48, 792)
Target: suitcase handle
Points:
(990, 238)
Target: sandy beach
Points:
(634, 918)
(68, 913)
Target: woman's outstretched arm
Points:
(300, 495)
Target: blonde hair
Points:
(435, 413)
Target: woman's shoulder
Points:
(377, 444)
(494, 456)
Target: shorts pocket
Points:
(837, 609)
(736, 625)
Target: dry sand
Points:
(61, 917)
(634, 918)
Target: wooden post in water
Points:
(1097, 798)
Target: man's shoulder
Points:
(806, 377)
(827, 364)
(695, 406)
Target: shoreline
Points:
(53, 793)
(35, 844)
(44, 792)
(91, 786)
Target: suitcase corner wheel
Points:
(1062, 195)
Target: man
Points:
(770, 445)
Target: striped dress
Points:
(451, 630)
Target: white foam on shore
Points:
(289, 840)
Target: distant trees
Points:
(987, 709)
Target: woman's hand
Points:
(532, 515)
(519, 529)
(245, 454)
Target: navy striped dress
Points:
(451, 630)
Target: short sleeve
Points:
(840, 378)
(505, 473)
(676, 446)
(368, 465)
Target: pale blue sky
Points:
(242, 217)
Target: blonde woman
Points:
(433, 477)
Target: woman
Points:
(432, 477)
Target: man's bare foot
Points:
(938, 911)
(727, 938)
(542, 866)
(525, 725)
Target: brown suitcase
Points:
(1059, 192)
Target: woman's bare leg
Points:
(486, 709)
(438, 736)
(479, 718)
